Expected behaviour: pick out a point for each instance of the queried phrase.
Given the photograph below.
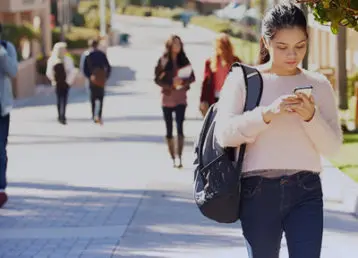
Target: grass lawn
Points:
(347, 159)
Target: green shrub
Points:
(166, 3)
(212, 23)
(79, 20)
(77, 38)
(135, 10)
(86, 6)
(15, 33)
(76, 59)
(90, 13)
(162, 12)
(93, 21)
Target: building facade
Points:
(37, 13)
(323, 51)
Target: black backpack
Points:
(217, 177)
(59, 73)
(3, 43)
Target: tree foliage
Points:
(334, 13)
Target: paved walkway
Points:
(88, 191)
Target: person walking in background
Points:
(174, 75)
(97, 69)
(216, 69)
(295, 123)
(82, 64)
(9, 67)
(61, 72)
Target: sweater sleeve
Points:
(159, 74)
(233, 126)
(324, 129)
(49, 69)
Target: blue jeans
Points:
(4, 133)
(290, 204)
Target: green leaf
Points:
(354, 4)
(345, 22)
(334, 28)
(326, 3)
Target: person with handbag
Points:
(216, 69)
(174, 89)
(61, 72)
(295, 123)
(97, 69)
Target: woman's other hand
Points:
(282, 105)
(177, 82)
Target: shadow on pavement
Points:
(159, 221)
(340, 221)
(121, 73)
(34, 139)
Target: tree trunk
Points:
(61, 19)
(263, 7)
(341, 68)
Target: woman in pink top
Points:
(286, 136)
(174, 92)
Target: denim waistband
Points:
(272, 173)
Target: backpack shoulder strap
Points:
(253, 85)
(254, 88)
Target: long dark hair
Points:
(182, 59)
(281, 16)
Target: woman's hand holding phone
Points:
(307, 108)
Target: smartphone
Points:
(304, 89)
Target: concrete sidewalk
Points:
(84, 190)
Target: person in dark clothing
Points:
(61, 72)
(97, 69)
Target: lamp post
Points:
(60, 18)
(112, 5)
(102, 14)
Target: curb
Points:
(347, 188)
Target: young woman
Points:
(285, 136)
(216, 69)
(174, 88)
(61, 71)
